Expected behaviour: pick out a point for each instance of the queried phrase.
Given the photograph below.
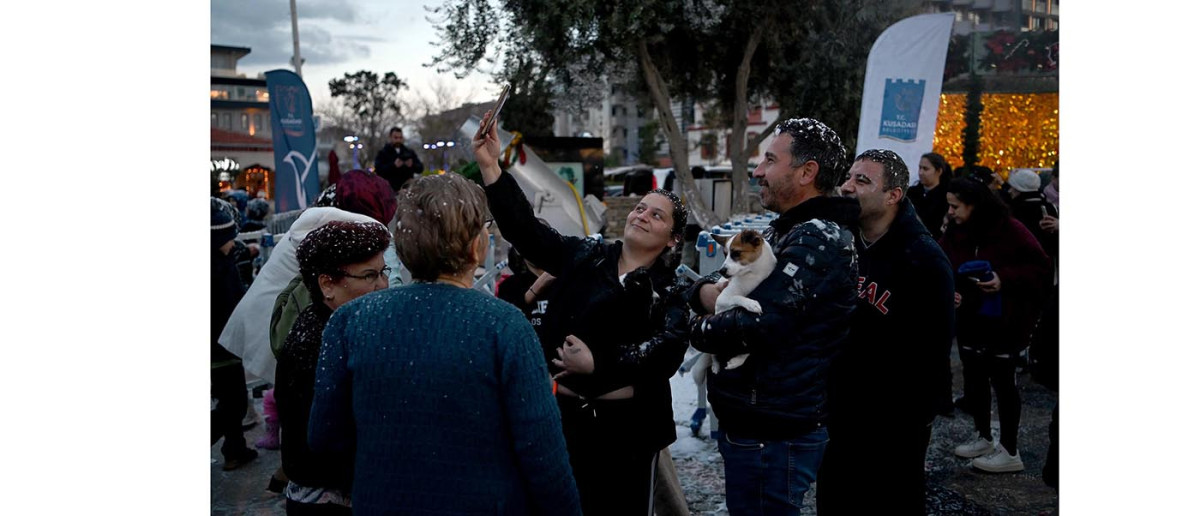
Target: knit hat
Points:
(367, 194)
(257, 209)
(224, 222)
(1024, 181)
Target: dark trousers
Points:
(982, 373)
(295, 508)
(858, 477)
(769, 478)
(229, 389)
(613, 470)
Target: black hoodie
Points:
(895, 367)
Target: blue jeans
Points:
(770, 477)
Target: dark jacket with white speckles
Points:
(779, 393)
(635, 338)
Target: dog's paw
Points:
(752, 306)
(737, 361)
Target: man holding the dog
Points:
(772, 407)
(893, 374)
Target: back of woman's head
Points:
(440, 218)
(366, 194)
(986, 206)
(336, 244)
(939, 163)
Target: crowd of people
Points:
(401, 388)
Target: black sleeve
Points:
(537, 242)
(383, 165)
(934, 331)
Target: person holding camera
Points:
(396, 162)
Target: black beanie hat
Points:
(224, 222)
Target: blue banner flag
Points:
(295, 140)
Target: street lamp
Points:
(354, 145)
(440, 144)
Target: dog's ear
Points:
(751, 237)
(721, 239)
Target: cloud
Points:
(266, 28)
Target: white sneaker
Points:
(1000, 462)
(975, 448)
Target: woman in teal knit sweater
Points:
(439, 388)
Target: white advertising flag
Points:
(903, 88)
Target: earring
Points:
(329, 298)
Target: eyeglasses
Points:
(370, 276)
(487, 224)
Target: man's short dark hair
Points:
(895, 172)
(813, 140)
(394, 130)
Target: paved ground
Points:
(953, 486)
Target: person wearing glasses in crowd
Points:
(339, 261)
(613, 334)
(440, 389)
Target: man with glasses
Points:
(892, 375)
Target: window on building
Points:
(261, 95)
(1037, 23)
(258, 123)
(1054, 7)
(226, 121)
(214, 119)
(749, 138)
(245, 122)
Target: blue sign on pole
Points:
(295, 141)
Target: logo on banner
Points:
(288, 100)
(901, 109)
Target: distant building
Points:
(989, 15)
(240, 125)
(618, 120)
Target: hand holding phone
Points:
(490, 121)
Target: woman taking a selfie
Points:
(613, 334)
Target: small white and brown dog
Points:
(748, 261)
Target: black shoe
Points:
(276, 485)
(240, 459)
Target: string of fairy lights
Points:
(1016, 130)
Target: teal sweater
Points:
(445, 395)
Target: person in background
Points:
(397, 163)
(227, 376)
(256, 215)
(339, 262)
(438, 388)
(1002, 276)
(893, 374)
(928, 196)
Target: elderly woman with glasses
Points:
(441, 388)
(339, 262)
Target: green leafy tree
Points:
(808, 56)
(370, 106)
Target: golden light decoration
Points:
(1017, 130)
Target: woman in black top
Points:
(613, 333)
(339, 262)
(929, 194)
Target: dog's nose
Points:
(724, 272)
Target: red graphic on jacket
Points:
(873, 296)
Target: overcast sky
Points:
(340, 36)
